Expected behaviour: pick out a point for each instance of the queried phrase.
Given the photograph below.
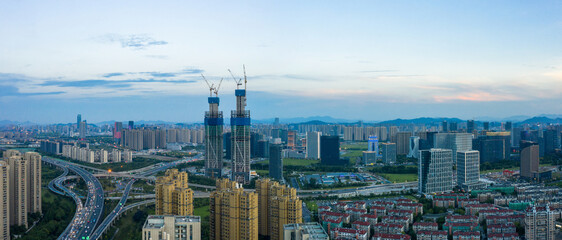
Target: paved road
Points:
(116, 211)
(87, 215)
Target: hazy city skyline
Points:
(367, 60)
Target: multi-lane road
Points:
(118, 209)
(88, 214)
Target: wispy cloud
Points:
(133, 41)
(108, 75)
(6, 91)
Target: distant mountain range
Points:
(319, 120)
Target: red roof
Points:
(426, 224)
(349, 230)
(503, 235)
(464, 224)
(400, 211)
(481, 205)
(362, 223)
(331, 220)
(466, 233)
(433, 233)
(395, 218)
(392, 236)
(406, 204)
(337, 214)
(378, 207)
(387, 225)
(502, 225)
(369, 216)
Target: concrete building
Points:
(454, 141)
(278, 205)
(4, 201)
(240, 129)
(330, 151)
(213, 139)
(529, 159)
(313, 145)
(403, 142)
(276, 161)
(414, 148)
(435, 171)
(388, 152)
(83, 129)
(369, 157)
(468, 169)
(233, 212)
(173, 196)
(304, 231)
(539, 223)
(33, 162)
(170, 227)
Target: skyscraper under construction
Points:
(213, 136)
(240, 125)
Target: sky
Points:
(368, 60)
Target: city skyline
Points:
(386, 60)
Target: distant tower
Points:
(240, 128)
(213, 135)
(78, 120)
(373, 144)
(414, 147)
(131, 125)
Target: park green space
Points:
(398, 178)
(57, 210)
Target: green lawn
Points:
(362, 146)
(293, 162)
(395, 177)
(311, 205)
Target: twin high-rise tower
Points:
(240, 136)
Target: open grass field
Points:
(294, 162)
(394, 177)
(129, 226)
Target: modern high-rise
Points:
(435, 171)
(486, 126)
(470, 126)
(33, 161)
(18, 191)
(403, 142)
(240, 128)
(117, 128)
(83, 129)
(173, 195)
(278, 205)
(414, 149)
(468, 169)
(276, 161)
(529, 155)
(172, 227)
(4, 200)
(445, 126)
(78, 120)
(454, 141)
(551, 140)
(213, 139)
(539, 223)
(233, 212)
(313, 145)
(131, 125)
(388, 152)
(330, 150)
(373, 144)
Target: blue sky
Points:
(370, 60)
